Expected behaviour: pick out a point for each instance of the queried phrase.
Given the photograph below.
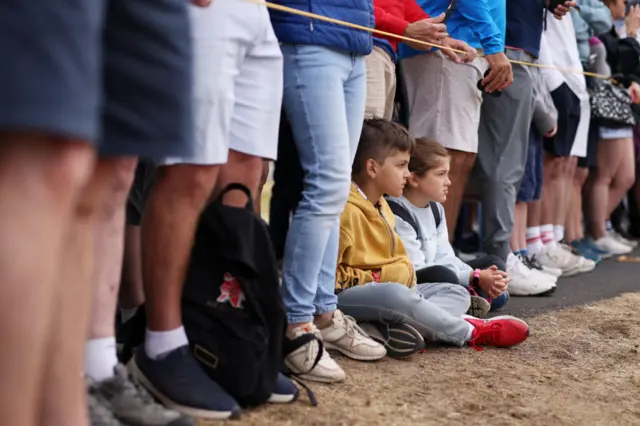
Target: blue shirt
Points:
(480, 23)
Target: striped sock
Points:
(534, 240)
(548, 236)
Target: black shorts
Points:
(568, 106)
(115, 73)
(592, 146)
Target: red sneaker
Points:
(502, 332)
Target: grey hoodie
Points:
(433, 248)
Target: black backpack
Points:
(404, 214)
(231, 306)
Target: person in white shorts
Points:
(237, 99)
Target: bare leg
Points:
(64, 388)
(109, 248)
(131, 290)
(608, 161)
(518, 236)
(624, 177)
(175, 202)
(461, 166)
(40, 179)
(257, 199)
(534, 213)
(552, 190)
(574, 230)
(244, 169)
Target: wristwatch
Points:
(476, 277)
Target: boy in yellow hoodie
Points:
(375, 280)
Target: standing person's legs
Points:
(444, 104)
(227, 58)
(381, 84)
(502, 156)
(574, 230)
(41, 177)
(324, 99)
(287, 187)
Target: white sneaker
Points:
(561, 259)
(302, 359)
(610, 244)
(619, 238)
(527, 282)
(584, 264)
(346, 337)
(533, 263)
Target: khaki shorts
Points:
(444, 101)
(381, 84)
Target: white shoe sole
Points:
(358, 357)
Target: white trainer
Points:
(610, 244)
(346, 337)
(527, 282)
(561, 259)
(302, 359)
(623, 240)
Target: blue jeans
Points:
(324, 100)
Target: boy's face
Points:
(391, 176)
(435, 183)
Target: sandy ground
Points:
(579, 367)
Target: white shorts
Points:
(237, 82)
(579, 148)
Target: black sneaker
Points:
(177, 380)
(399, 339)
(132, 404)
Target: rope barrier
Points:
(408, 39)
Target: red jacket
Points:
(393, 16)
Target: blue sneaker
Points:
(177, 380)
(587, 249)
(284, 392)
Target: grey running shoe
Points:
(133, 405)
(100, 413)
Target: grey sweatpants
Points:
(435, 310)
(503, 136)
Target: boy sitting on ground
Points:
(376, 281)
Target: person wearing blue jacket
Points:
(324, 101)
(443, 97)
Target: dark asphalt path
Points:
(610, 279)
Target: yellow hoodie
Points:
(370, 249)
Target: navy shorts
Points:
(531, 185)
(568, 106)
(116, 73)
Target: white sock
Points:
(558, 230)
(157, 343)
(534, 240)
(127, 313)
(100, 358)
(548, 236)
(469, 332)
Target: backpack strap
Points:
(436, 213)
(290, 346)
(234, 186)
(404, 214)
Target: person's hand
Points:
(501, 75)
(493, 281)
(431, 30)
(202, 3)
(551, 133)
(632, 22)
(563, 9)
(471, 53)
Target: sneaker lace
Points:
(353, 330)
(487, 334)
(136, 391)
(534, 263)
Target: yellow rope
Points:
(408, 39)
